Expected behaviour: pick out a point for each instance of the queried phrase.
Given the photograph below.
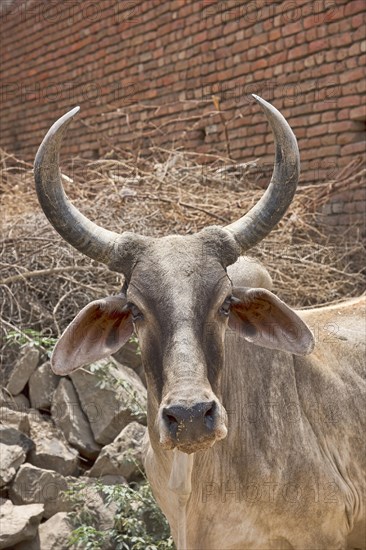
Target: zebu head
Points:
(177, 296)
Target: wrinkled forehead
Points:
(179, 269)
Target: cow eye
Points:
(135, 312)
(225, 307)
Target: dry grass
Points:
(44, 282)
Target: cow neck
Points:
(180, 483)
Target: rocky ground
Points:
(58, 433)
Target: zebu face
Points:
(179, 298)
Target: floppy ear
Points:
(263, 319)
(100, 329)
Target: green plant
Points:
(138, 522)
(28, 335)
(76, 496)
(135, 341)
(88, 538)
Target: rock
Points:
(18, 523)
(11, 436)
(12, 456)
(130, 355)
(123, 456)
(51, 451)
(22, 403)
(16, 403)
(34, 544)
(17, 375)
(42, 384)
(69, 417)
(14, 419)
(55, 533)
(111, 480)
(121, 399)
(34, 485)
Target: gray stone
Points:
(42, 384)
(34, 544)
(69, 417)
(4, 396)
(111, 480)
(19, 403)
(123, 456)
(55, 533)
(22, 403)
(51, 451)
(12, 436)
(18, 523)
(34, 485)
(19, 373)
(14, 419)
(11, 457)
(130, 355)
(15, 402)
(112, 396)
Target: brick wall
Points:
(145, 71)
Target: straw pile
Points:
(44, 282)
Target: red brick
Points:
(349, 101)
(292, 28)
(274, 34)
(358, 20)
(343, 114)
(355, 6)
(353, 74)
(343, 126)
(328, 139)
(358, 113)
(329, 151)
(298, 51)
(317, 130)
(354, 148)
(346, 137)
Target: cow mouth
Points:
(189, 446)
(195, 446)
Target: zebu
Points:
(253, 443)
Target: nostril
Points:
(209, 416)
(211, 411)
(170, 419)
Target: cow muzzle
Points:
(192, 427)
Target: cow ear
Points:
(100, 329)
(263, 319)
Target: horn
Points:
(250, 229)
(90, 239)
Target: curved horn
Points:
(83, 234)
(260, 220)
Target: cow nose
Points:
(194, 422)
